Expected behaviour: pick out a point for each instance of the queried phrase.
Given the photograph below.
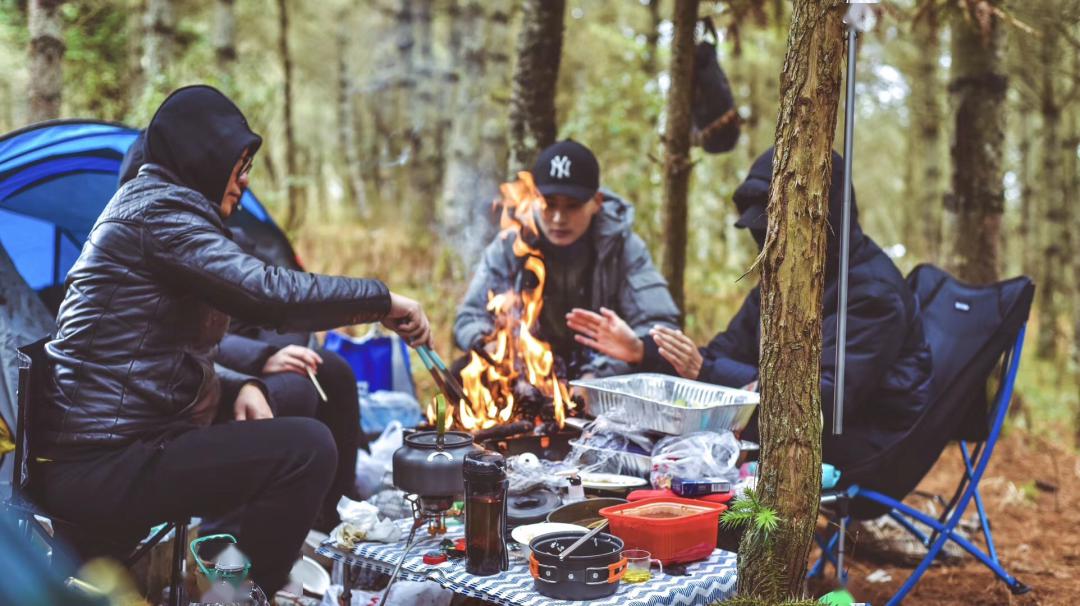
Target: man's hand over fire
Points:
(407, 319)
(679, 350)
(607, 333)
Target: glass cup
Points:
(639, 565)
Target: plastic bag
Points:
(703, 454)
(380, 409)
(374, 469)
(526, 472)
(360, 522)
(608, 445)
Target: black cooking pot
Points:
(592, 571)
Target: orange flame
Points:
(516, 354)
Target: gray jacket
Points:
(624, 280)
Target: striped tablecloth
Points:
(709, 581)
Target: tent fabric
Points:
(55, 179)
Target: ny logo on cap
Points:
(560, 167)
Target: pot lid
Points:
(428, 439)
(531, 507)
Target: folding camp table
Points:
(708, 581)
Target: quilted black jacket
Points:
(148, 301)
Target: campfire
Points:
(514, 375)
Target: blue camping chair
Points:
(971, 330)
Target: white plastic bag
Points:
(374, 469)
(699, 455)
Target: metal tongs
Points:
(448, 385)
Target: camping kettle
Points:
(228, 576)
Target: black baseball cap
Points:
(567, 168)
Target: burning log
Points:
(500, 432)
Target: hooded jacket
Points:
(623, 279)
(888, 372)
(150, 295)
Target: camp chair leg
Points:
(817, 571)
(944, 532)
(983, 520)
(911, 528)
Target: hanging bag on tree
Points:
(716, 122)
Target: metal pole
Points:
(845, 236)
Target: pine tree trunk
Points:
(478, 148)
(652, 37)
(1051, 186)
(46, 59)
(428, 159)
(976, 202)
(792, 283)
(677, 163)
(159, 47)
(926, 186)
(1028, 200)
(294, 210)
(224, 39)
(536, 75)
(348, 136)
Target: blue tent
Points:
(55, 179)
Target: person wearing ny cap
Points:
(888, 359)
(593, 261)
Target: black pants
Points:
(293, 395)
(278, 471)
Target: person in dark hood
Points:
(888, 360)
(281, 362)
(126, 438)
(592, 259)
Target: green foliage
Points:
(747, 511)
(98, 66)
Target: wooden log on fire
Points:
(500, 432)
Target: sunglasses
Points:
(245, 168)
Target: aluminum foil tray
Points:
(668, 404)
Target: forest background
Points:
(388, 129)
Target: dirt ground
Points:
(1032, 493)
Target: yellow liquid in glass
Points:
(637, 576)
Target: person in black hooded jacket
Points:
(124, 439)
(888, 360)
(280, 361)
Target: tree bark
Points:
(46, 59)
(652, 37)
(926, 187)
(532, 102)
(425, 132)
(224, 39)
(159, 46)
(677, 163)
(348, 125)
(975, 205)
(478, 147)
(294, 210)
(1053, 257)
(792, 283)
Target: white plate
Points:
(312, 575)
(609, 481)
(525, 534)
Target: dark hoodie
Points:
(888, 360)
(151, 293)
(202, 163)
